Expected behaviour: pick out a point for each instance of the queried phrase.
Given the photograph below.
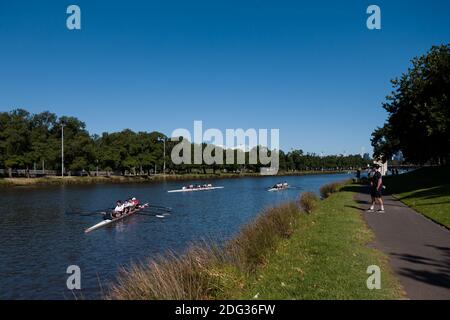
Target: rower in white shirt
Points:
(118, 210)
(128, 205)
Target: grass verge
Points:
(326, 258)
(426, 190)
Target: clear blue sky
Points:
(311, 69)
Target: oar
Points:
(89, 213)
(159, 207)
(150, 215)
(154, 211)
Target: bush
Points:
(308, 202)
(171, 277)
(249, 247)
(328, 189)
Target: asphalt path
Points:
(418, 248)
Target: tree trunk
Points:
(10, 172)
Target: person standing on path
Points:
(376, 184)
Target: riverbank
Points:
(284, 254)
(69, 180)
(426, 190)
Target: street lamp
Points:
(62, 150)
(164, 156)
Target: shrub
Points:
(308, 202)
(171, 277)
(328, 189)
(249, 247)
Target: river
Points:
(42, 228)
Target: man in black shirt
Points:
(376, 184)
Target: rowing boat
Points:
(195, 189)
(278, 189)
(109, 221)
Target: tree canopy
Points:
(34, 140)
(418, 124)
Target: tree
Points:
(15, 139)
(419, 111)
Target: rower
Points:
(135, 202)
(128, 205)
(118, 209)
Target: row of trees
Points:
(419, 112)
(30, 141)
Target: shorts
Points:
(375, 193)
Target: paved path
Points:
(419, 249)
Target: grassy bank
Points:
(426, 190)
(11, 182)
(284, 254)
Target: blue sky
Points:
(311, 69)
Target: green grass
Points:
(326, 258)
(426, 190)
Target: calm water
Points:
(42, 229)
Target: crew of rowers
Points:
(124, 207)
(200, 186)
(280, 185)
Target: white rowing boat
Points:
(195, 189)
(278, 189)
(109, 221)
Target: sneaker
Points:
(370, 210)
(380, 211)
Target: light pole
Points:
(62, 150)
(164, 155)
(164, 168)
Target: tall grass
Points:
(172, 277)
(205, 271)
(248, 249)
(308, 202)
(330, 188)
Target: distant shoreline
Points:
(75, 180)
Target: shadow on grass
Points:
(355, 188)
(431, 193)
(355, 207)
(423, 178)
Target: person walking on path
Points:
(376, 184)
